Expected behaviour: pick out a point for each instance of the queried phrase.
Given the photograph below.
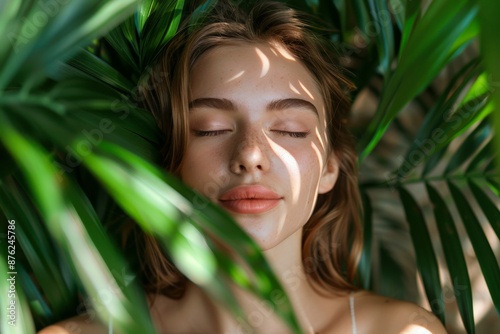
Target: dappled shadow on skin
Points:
(236, 76)
(262, 108)
(291, 164)
(265, 62)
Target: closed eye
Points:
(292, 134)
(201, 133)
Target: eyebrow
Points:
(210, 102)
(290, 103)
(275, 105)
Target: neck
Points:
(286, 262)
(313, 310)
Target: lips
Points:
(249, 199)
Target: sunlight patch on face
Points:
(318, 154)
(265, 62)
(292, 166)
(320, 138)
(295, 90)
(324, 120)
(306, 90)
(236, 76)
(284, 52)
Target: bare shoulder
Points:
(378, 314)
(167, 314)
(77, 325)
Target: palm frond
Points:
(455, 260)
(467, 162)
(491, 51)
(73, 116)
(432, 44)
(365, 263)
(482, 248)
(426, 258)
(18, 319)
(77, 153)
(379, 11)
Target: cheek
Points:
(200, 169)
(311, 166)
(192, 162)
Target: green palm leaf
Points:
(440, 129)
(73, 25)
(163, 208)
(482, 248)
(87, 64)
(412, 15)
(341, 6)
(430, 129)
(156, 33)
(453, 253)
(398, 8)
(493, 185)
(489, 208)
(21, 321)
(491, 51)
(426, 258)
(67, 117)
(58, 108)
(432, 44)
(470, 144)
(365, 263)
(126, 50)
(64, 222)
(481, 158)
(363, 17)
(384, 37)
(36, 245)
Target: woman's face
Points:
(257, 143)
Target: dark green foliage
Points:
(78, 154)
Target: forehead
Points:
(259, 68)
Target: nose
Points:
(250, 155)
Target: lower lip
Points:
(251, 206)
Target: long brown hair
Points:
(331, 242)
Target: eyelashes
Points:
(292, 133)
(199, 133)
(213, 133)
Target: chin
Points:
(268, 240)
(267, 245)
(271, 231)
(264, 241)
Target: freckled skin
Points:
(251, 152)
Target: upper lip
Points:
(249, 192)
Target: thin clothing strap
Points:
(110, 326)
(353, 316)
